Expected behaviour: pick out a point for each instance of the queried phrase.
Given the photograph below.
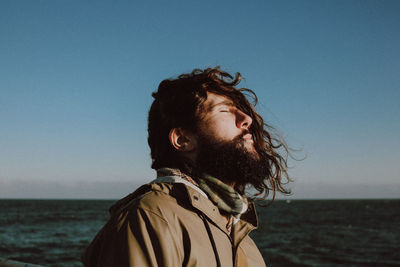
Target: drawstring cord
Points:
(210, 236)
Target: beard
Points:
(231, 161)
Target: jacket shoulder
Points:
(155, 198)
(136, 222)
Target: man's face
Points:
(223, 121)
(225, 146)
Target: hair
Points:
(178, 104)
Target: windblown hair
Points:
(178, 104)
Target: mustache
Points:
(240, 136)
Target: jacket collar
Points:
(248, 221)
(199, 200)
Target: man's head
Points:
(200, 122)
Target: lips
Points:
(248, 137)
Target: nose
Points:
(243, 120)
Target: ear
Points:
(182, 140)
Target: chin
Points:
(254, 154)
(250, 149)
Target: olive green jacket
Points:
(172, 224)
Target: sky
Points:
(77, 77)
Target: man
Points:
(207, 144)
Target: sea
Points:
(290, 233)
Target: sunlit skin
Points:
(223, 121)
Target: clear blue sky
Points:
(77, 76)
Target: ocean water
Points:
(295, 233)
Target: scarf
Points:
(225, 197)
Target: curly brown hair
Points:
(178, 104)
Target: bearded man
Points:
(208, 144)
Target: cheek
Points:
(220, 128)
(224, 130)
